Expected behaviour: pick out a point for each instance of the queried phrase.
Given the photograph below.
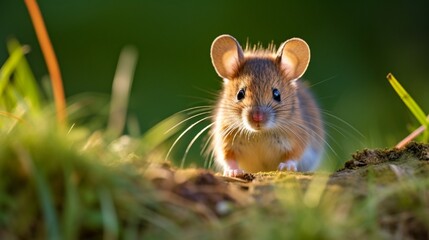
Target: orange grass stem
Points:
(410, 137)
(50, 58)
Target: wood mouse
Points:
(265, 119)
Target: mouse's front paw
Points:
(233, 172)
(290, 165)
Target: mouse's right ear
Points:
(227, 56)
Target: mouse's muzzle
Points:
(258, 118)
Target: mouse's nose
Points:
(258, 116)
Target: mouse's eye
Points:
(276, 95)
(241, 94)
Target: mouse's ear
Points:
(293, 57)
(227, 56)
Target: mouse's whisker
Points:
(290, 129)
(192, 142)
(204, 107)
(340, 126)
(324, 112)
(230, 130)
(183, 133)
(320, 137)
(196, 111)
(238, 132)
(187, 119)
(206, 147)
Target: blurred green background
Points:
(354, 45)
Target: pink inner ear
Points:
(288, 65)
(230, 62)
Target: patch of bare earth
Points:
(214, 196)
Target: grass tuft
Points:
(19, 95)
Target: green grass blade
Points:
(108, 212)
(409, 101)
(44, 193)
(24, 79)
(9, 66)
(48, 206)
(11, 98)
(121, 88)
(71, 224)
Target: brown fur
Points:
(293, 124)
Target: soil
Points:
(214, 196)
(214, 191)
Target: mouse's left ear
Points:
(294, 57)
